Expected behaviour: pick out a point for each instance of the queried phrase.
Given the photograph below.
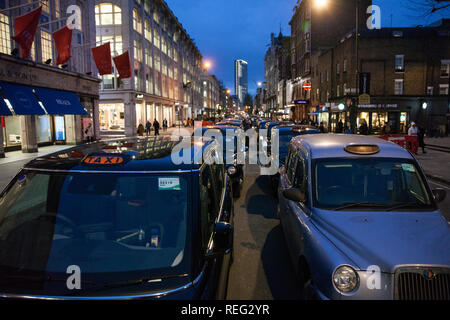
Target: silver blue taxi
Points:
(361, 222)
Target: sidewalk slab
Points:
(14, 156)
(436, 165)
(440, 142)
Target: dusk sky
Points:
(226, 30)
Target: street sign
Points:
(364, 99)
(307, 86)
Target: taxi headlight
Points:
(232, 170)
(345, 279)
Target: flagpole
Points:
(20, 6)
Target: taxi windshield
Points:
(101, 223)
(376, 183)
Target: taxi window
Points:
(104, 223)
(378, 182)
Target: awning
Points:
(60, 102)
(4, 110)
(22, 99)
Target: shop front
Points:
(382, 119)
(43, 105)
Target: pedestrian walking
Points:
(165, 125)
(322, 127)
(140, 130)
(340, 127)
(413, 131)
(421, 138)
(156, 126)
(148, 127)
(89, 132)
(364, 129)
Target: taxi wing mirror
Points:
(439, 195)
(294, 194)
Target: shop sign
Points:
(364, 99)
(377, 106)
(300, 102)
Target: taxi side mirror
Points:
(294, 194)
(439, 195)
(223, 239)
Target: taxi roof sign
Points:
(362, 149)
(104, 160)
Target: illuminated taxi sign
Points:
(104, 160)
(362, 149)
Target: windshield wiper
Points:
(360, 204)
(140, 281)
(407, 205)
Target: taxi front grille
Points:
(422, 284)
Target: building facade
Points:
(404, 72)
(211, 94)
(39, 71)
(165, 61)
(315, 28)
(277, 65)
(240, 80)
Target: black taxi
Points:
(117, 220)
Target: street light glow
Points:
(321, 3)
(207, 65)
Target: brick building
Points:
(406, 72)
(313, 29)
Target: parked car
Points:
(286, 134)
(123, 218)
(235, 170)
(361, 222)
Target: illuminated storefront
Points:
(112, 117)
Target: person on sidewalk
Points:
(165, 125)
(156, 126)
(413, 131)
(140, 130)
(89, 133)
(421, 138)
(364, 129)
(148, 127)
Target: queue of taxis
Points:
(227, 137)
(117, 220)
(361, 222)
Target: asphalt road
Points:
(261, 269)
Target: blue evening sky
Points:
(226, 30)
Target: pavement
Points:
(436, 164)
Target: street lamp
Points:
(321, 3)
(354, 109)
(206, 65)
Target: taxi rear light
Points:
(362, 149)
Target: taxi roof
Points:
(142, 154)
(332, 146)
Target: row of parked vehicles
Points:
(119, 220)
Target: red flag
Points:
(63, 41)
(102, 58)
(123, 65)
(25, 27)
